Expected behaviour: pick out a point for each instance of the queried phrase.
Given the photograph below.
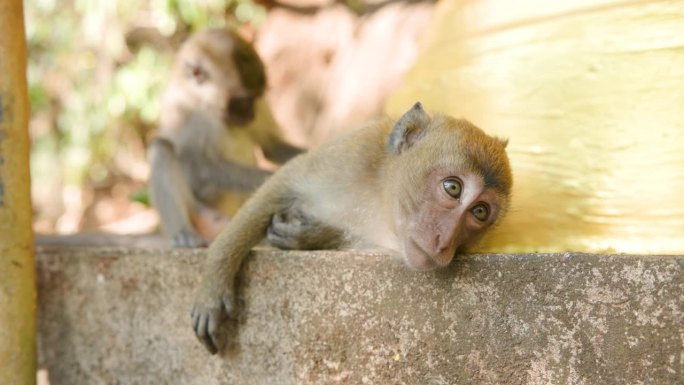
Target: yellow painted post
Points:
(17, 272)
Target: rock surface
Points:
(121, 316)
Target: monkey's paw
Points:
(294, 230)
(188, 238)
(208, 312)
(288, 230)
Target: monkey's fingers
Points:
(276, 238)
(280, 242)
(286, 231)
(205, 324)
(228, 305)
(290, 217)
(212, 331)
(188, 239)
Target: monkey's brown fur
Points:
(204, 154)
(383, 186)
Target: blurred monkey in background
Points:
(214, 119)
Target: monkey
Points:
(420, 187)
(213, 116)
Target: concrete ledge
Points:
(120, 316)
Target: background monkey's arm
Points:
(171, 196)
(232, 175)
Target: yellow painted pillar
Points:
(17, 272)
(590, 94)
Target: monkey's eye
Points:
(480, 211)
(453, 187)
(196, 72)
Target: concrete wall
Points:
(116, 316)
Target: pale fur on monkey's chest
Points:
(368, 222)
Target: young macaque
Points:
(203, 161)
(421, 188)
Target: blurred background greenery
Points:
(97, 69)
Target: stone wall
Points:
(121, 316)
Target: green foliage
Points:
(141, 195)
(93, 100)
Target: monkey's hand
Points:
(188, 238)
(294, 230)
(212, 306)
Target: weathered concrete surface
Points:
(115, 316)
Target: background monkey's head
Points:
(451, 182)
(221, 74)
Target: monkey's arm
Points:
(216, 296)
(233, 175)
(171, 195)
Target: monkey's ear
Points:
(195, 71)
(504, 142)
(408, 129)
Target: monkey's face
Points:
(219, 93)
(223, 76)
(451, 183)
(455, 209)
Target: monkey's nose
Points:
(444, 249)
(442, 244)
(437, 245)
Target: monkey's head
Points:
(451, 183)
(222, 74)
